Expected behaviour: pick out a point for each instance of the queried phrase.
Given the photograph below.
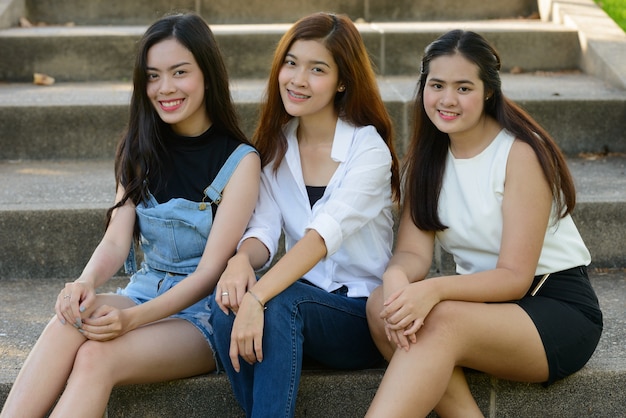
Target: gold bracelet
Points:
(258, 300)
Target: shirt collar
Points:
(344, 135)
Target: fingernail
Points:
(62, 321)
(82, 309)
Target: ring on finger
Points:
(66, 296)
(224, 293)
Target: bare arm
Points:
(239, 198)
(526, 209)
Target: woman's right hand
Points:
(73, 300)
(234, 282)
(393, 281)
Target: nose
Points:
(448, 97)
(166, 85)
(298, 77)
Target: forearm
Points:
(105, 262)
(184, 294)
(497, 285)
(409, 265)
(294, 264)
(254, 251)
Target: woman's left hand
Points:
(105, 323)
(246, 338)
(408, 307)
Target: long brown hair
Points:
(426, 157)
(360, 103)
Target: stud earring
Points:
(341, 88)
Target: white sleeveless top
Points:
(470, 204)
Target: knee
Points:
(373, 308)
(92, 359)
(443, 319)
(376, 324)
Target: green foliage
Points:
(616, 9)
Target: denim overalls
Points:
(173, 236)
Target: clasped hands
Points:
(405, 308)
(74, 306)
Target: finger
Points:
(220, 304)
(258, 348)
(234, 355)
(392, 297)
(417, 324)
(224, 299)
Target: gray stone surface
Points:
(596, 391)
(57, 147)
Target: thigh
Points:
(496, 338)
(333, 326)
(163, 350)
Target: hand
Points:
(246, 338)
(73, 300)
(105, 323)
(394, 281)
(238, 277)
(406, 309)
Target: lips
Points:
(447, 115)
(170, 105)
(297, 95)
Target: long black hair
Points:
(141, 149)
(426, 158)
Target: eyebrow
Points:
(289, 54)
(454, 82)
(173, 67)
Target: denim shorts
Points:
(149, 283)
(567, 315)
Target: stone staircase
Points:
(564, 61)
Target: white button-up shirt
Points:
(354, 216)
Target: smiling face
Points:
(308, 80)
(454, 96)
(176, 88)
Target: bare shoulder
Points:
(522, 157)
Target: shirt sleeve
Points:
(266, 221)
(360, 195)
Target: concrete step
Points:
(85, 120)
(595, 391)
(52, 213)
(121, 12)
(95, 53)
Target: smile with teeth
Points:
(297, 96)
(172, 103)
(449, 114)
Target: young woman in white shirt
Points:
(329, 178)
(491, 185)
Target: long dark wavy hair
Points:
(426, 157)
(360, 103)
(141, 150)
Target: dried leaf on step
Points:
(25, 23)
(42, 79)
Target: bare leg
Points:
(48, 366)
(458, 401)
(376, 324)
(480, 336)
(164, 350)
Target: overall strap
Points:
(214, 191)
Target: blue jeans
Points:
(330, 328)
